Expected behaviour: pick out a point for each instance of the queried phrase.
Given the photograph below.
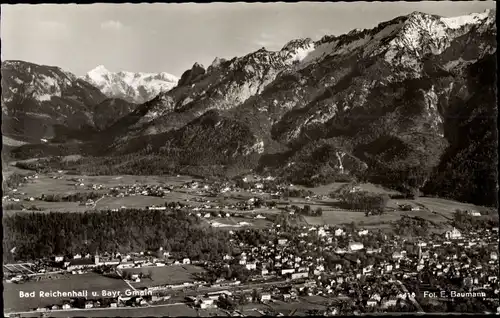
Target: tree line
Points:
(412, 226)
(364, 200)
(466, 222)
(42, 235)
(75, 197)
(15, 180)
(306, 210)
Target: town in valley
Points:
(287, 253)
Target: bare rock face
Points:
(189, 76)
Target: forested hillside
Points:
(41, 235)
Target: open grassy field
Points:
(46, 184)
(90, 282)
(12, 142)
(174, 274)
(65, 185)
(342, 217)
(445, 206)
(174, 310)
(326, 189)
(298, 308)
(333, 215)
(137, 201)
(111, 181)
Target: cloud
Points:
(112, 25)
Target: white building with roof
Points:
(339, 232)
(355, 246)
(473, 213)
(453, 234)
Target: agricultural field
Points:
(137, 201)
(445, 206)
(173, 310)
(61, 184)
(298, 308)
(90, 282)
(337, 217)
(12, 142)
(434, 209)
(165, 275)
(326, 189)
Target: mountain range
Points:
(410, 104)
(133, 87)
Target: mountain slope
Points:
(468, 170)
(132, 87)
(36, 98)
(224, 85)
(46, 102)
(398, 105)
(379, 97)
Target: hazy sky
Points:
(172, 37)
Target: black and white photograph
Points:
(249, 159)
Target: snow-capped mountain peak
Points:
(134, 87)
(100, 69)
(298, 49)
(98, 74)
(460, 21)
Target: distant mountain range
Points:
(410, 104)
(38, 100)
(45, 102)
(132, 87)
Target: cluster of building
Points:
(299, 259)
(257, 186)
(365, 267)
(113, 302)
(155, 190)
(79, 264)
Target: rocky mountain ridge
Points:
(379, 98)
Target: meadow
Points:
(342, 217)
(444, 208)
(165, 275)
(90, 282)
(61, 184)
(65, 185)
(297, 308)
(173, 310)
